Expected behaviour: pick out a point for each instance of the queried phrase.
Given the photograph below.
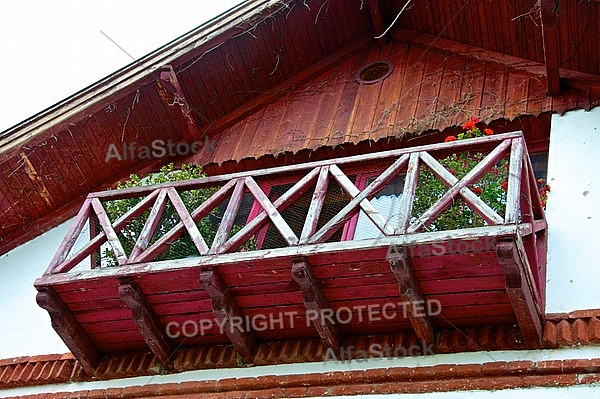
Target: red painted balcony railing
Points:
(316, 212)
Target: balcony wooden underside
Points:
(471, 277)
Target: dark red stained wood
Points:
(430, 88)
(489, 310)
(205, 78)
(352, 269)
(390, 97)
(225, 309)
(273, 288)
(188, 307)
(411, 86)
(120, 347)
(315, 302)
(15, 188)
(69, 329)
(466, 322)
(147, 323)
(98, 315)
(270, 299)
(365, 280)
(523, 302)
(493, 91)
(362, 115)
(184, 280)
(126, 326)
(98, 304)
(470, 284)
(83, 296)
(517, 89)
(471, 298)
(178, 297)
(126, 337)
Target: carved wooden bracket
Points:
(147, 323)
(410, 292)
(520, 293)
(69, 329)
(227, 310)
(315, 303)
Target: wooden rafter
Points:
(315, 303)
(227, 312)
(376, 19)
(150, 328)
(549, 15)
(69, 329)
(411, 293)
(519, 291)
(171, 93)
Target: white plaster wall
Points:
(573, 212)
(25, 327)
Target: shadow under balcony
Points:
(373, 244)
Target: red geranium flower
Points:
(468, 125)
(505, 186)
(450, 138)
(477, 190)
(488, 132)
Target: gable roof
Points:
(219, 79)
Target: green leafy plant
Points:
(183, 246)
(491, 187)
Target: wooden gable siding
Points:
(430, 88)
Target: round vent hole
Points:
(374, 72)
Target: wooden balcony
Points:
(284, 249)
